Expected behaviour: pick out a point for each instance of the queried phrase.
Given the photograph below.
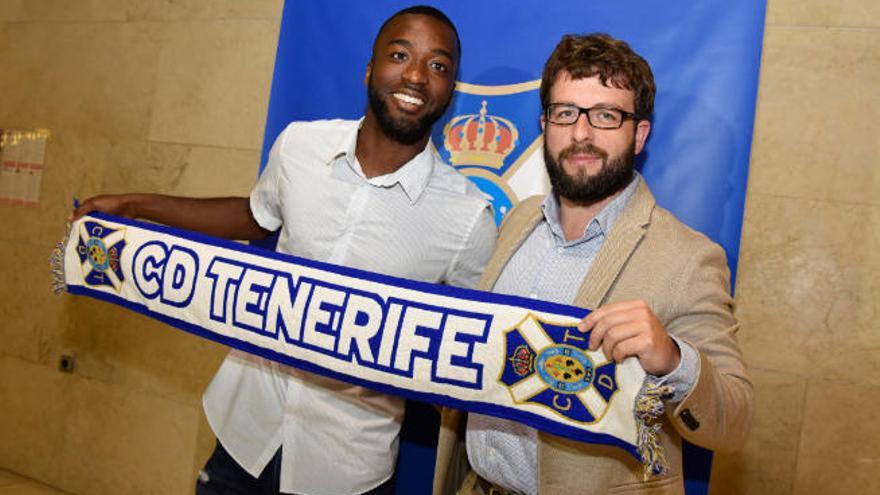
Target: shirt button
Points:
(492, 452)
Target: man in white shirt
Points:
(370, 194)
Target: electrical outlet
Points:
(66, 363)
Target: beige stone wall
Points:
(170, 95)
(808, 291)
(140, 95)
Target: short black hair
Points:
(422, 10)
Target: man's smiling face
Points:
(411, 76)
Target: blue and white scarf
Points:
(501, 355)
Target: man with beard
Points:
(370, 194)
(659, 291)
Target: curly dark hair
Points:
(599, 54)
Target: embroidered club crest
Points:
(551, 366)
(99, 248)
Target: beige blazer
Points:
(683, 276)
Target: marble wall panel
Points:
(80, 166)
(31, 489)
(119, 440)
(807, 292)
(767, 463)
(61, 10)
(176, 169)
(119, 347)
(213, 83)
(7, 478)
(141, 166)
(203, 9)
(134, 10)
(27, 305)
(34, 402)
(818, 115)
(95, 78)
(13, 484)
(825, 13)
(839, 449)
(213, 172)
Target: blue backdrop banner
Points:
(705, 56)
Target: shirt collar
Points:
(413, 176)
(600, 224)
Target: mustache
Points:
(587, 148)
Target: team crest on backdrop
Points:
(99, 249)
(489, 135)
(552, 366)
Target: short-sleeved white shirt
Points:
(424, 221)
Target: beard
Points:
(401, 131)
(612, 177)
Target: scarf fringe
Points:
(649, 411)
(56, 263)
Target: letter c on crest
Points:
(558, 406)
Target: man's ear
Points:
(543, 122)
(367, 74)
(643, 130)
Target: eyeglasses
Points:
(598, 117)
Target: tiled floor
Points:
(13, 484)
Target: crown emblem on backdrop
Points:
(480, 139)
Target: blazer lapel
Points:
(627, 232)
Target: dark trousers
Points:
(223, 476)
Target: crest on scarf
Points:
(99, 248)
(551, 366)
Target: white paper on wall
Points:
(21, 165)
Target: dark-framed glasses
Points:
(598, 117)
